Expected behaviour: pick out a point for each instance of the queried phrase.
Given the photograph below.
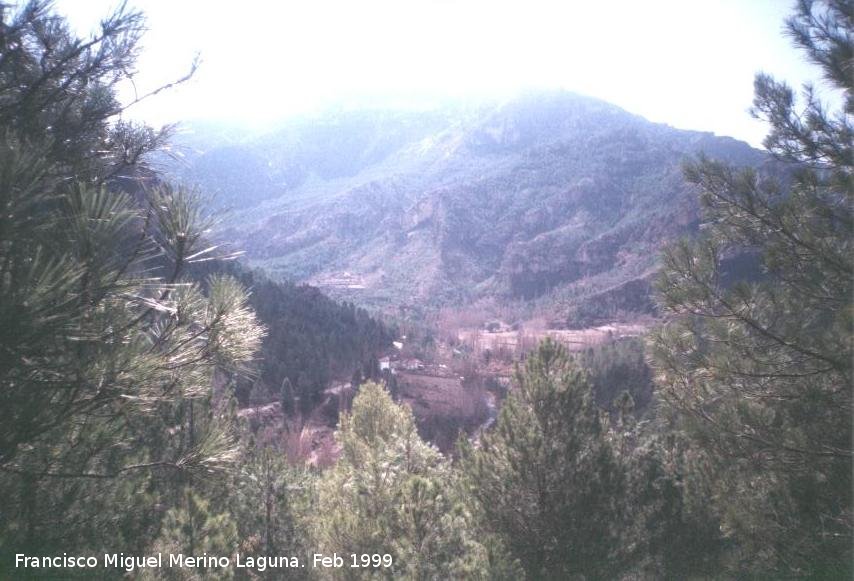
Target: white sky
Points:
(688, 63)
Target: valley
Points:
(492, 333)
(475, 229)
(452, 378)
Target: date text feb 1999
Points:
(353, 560)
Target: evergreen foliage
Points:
(616, 368)
(272, 502)
(125, 351)
(310, 338)
(390, 493)
(108, 355)
(547, 480)
(759, 370)
(194, 528)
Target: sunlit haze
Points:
(689, 64)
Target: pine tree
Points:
(670, 531)
(546, 479)
(103, 341)
(759, 370)
(195, 529)
(391, 493)
(272, 502)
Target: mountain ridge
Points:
(550, 197)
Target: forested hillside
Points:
(550, 196)
(310, 338)
(140, 364)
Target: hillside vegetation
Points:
(160, 402)
(550, 196)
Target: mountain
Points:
(310, 339)
(549, 200)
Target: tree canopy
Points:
(104, 344)
(759, 364)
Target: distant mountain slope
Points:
(310, 339)
(550, 197)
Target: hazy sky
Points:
(688, 63)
